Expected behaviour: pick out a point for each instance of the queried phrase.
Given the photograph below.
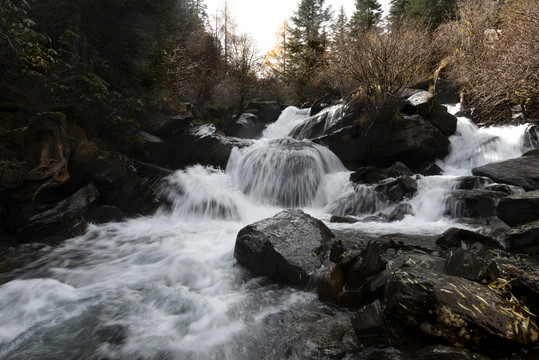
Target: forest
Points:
(106, 59)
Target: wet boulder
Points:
(472, 182)
(456, 238)
(288, 248)
(248, 126)
(330, 284)
(457, 311)
(523, 236)
(398, 189)
(425, 104)
(519, 209)
(523, 172)
(471, 265)
(64, 220)
(473, 203)
(371, 325)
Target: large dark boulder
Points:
(387, 138)
(248, 126)
(457, 311)
(471, 264)
(523, 236)
(519, 208)
(473, 203)
(116, 178)
(425, 104)
(523, 172)
(64, 220)
(455, 238)
(288, 248)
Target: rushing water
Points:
(168, 287)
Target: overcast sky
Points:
(262, 19)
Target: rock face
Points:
(519, 209)
(523, 236)
(523, 172)
(456, 310)
(287, 247)
(473, 203)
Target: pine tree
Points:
(307, 42)
(428, 13)
(368, 13)
(340, 27)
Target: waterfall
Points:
(167, 286)
(283, 172)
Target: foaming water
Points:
(167, 286)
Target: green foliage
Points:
(368, 13)
(307, 42)
(428, 13)
(20, 41)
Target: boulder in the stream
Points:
(64, 220)
(519, 209)
(425, 104)
(473, 203)
(457, 311)
(370, 323)
(523, 172)
(523, 236)
(248, 126)
(288, 248)
(398, 189)
(472, 182)
(455, 238)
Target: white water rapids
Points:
(168, 287)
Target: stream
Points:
(167, 286)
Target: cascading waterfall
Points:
(167, 287)
(283, 172)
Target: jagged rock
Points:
(343, 219)
(368, 175)
(286, 248)
(424, 103)
(523, 172)
(267, 111)
(454, 237)
(472, 182)
(471, 265)
(519, 209)
(432, 170)
(523, 236)
(473, 203)
(116, 178)
(330, 284)
(399, 169)
(508, 189)
(456, 310)
(64, 220)
(398, 189)
(370, 323)
(526, 288)
(248, 126)
(399, 212)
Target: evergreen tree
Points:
(368, 13)
(307, 42)
(428, 13)
(340, 27)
